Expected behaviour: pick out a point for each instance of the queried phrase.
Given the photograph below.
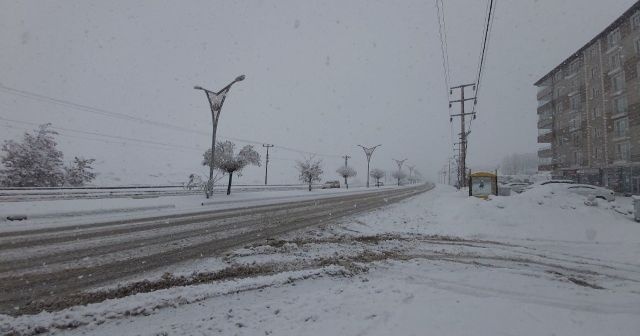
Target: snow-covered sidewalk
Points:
(441, 263)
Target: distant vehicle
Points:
(379, 184)
(331, 184)
(598, 192)
(557, 181)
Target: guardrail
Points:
(44, 194)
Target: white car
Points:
(587, 190)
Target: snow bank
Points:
(148, 303)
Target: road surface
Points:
(47, 264)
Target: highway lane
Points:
(44, 264)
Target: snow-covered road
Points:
(46, 268)
(538, 263)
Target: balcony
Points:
(544, 101)
(545, 152)
(545, 121)
(545, 164)
(545, 136)
(543, 91)
(546, 167)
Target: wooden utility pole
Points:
(266, 164)
(462, 164)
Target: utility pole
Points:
(462, 165)
(216, 99)
(266, 165)
(449, 174)
(368, 152)
(399, 163)
(346, 159)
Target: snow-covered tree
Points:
(230, 163)
(79, 172)
(377, 174)
(399, 175)
(195, 182)
(346, 172)
(34, 162)
(310, 170)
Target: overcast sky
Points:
(321, 76)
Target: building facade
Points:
(589, 110)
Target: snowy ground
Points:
(538, 263)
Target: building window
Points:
(636, 45)
(613, 38)
(594, 71)
(576, 139)
(596, 153)
(617, 82)
(598, 133)
(574, 67)
(614, 60)
(619, 105)
(577, 158)
(621, 127)
(623, 151)
(575, 103)
(558, 75)
(635, 21)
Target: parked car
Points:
(379, 184)
(518, 187)
(598, 192)
(557, 181)
(331, 184)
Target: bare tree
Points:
(399, 175)
(377, 174)
(310, 170)
(346, 172)
(226, 161)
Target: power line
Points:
(119, 143)
(487, 33)
(103, 135)
(443, 44)
(122, 116)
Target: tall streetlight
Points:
(399, 163)
(216, 99)
(368, 152)
(411, 168)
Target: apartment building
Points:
(589, 110)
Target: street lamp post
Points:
(399, 163)
(216, 99)
(368, 152)
(411, 168)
